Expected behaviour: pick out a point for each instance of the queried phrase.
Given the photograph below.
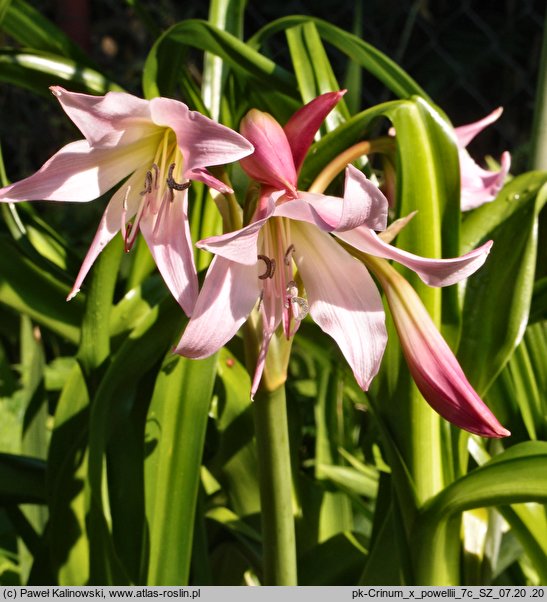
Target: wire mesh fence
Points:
(471, 56)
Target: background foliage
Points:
(122, 463)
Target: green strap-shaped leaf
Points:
(22, 480)
(35, 436)
(428, 181)
(235, 462)
(519, 393)
(386, 543)
(247, 539)
(31, 29)
(346, 135)
(66, 474)
(528, 395)
(231, 521)
(538, 307)
(158, 77)
(517, 475)
(37, 70)
(227, 15)
(32, 384)
(536, 343)
(134, 306)
(313, 70)
(31, 291)
(112, 402)
(528, 521)
(429, 168)
(491, 333)
(126, 455)
(529, 524)
(353, 80)
(4, 6)
(316, 567)
(350, 480)
(36, 239)
(334, 513)
(371, 59)
(94, 350)
(176, 424)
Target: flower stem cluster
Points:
(300, 252)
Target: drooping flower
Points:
(433, 366)
(478, 185)
(288, 262)
(159, 146)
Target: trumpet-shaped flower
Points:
(159, 146)
(432, 364)
(288, 262)
(478, 185)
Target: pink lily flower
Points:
(288, 262)
(159, 145)
(478, 185)
(433, 366)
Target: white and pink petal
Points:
(478, 185)
(466, 133)
(363, 205)
(228, 295)
(343, 300)
(434, 272)
(168, 237)
(303, 125)
(78, 172)
(240, 246)
(203, 142)
(271, 163)
(115, 118)
(433, 366)
(271, 311)
(124, 202)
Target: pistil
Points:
(279, 285)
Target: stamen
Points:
(299, 305)
(156, 174)
(124, 210)
(147, 183)
(288, 254)
(300, 308)
(292, 291)
(270, 267)
(171, 181)
(130, 231)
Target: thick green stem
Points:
(339, 163)
(437, 562)
(278, 540)
(426, 456)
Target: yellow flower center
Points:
(161, 183)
